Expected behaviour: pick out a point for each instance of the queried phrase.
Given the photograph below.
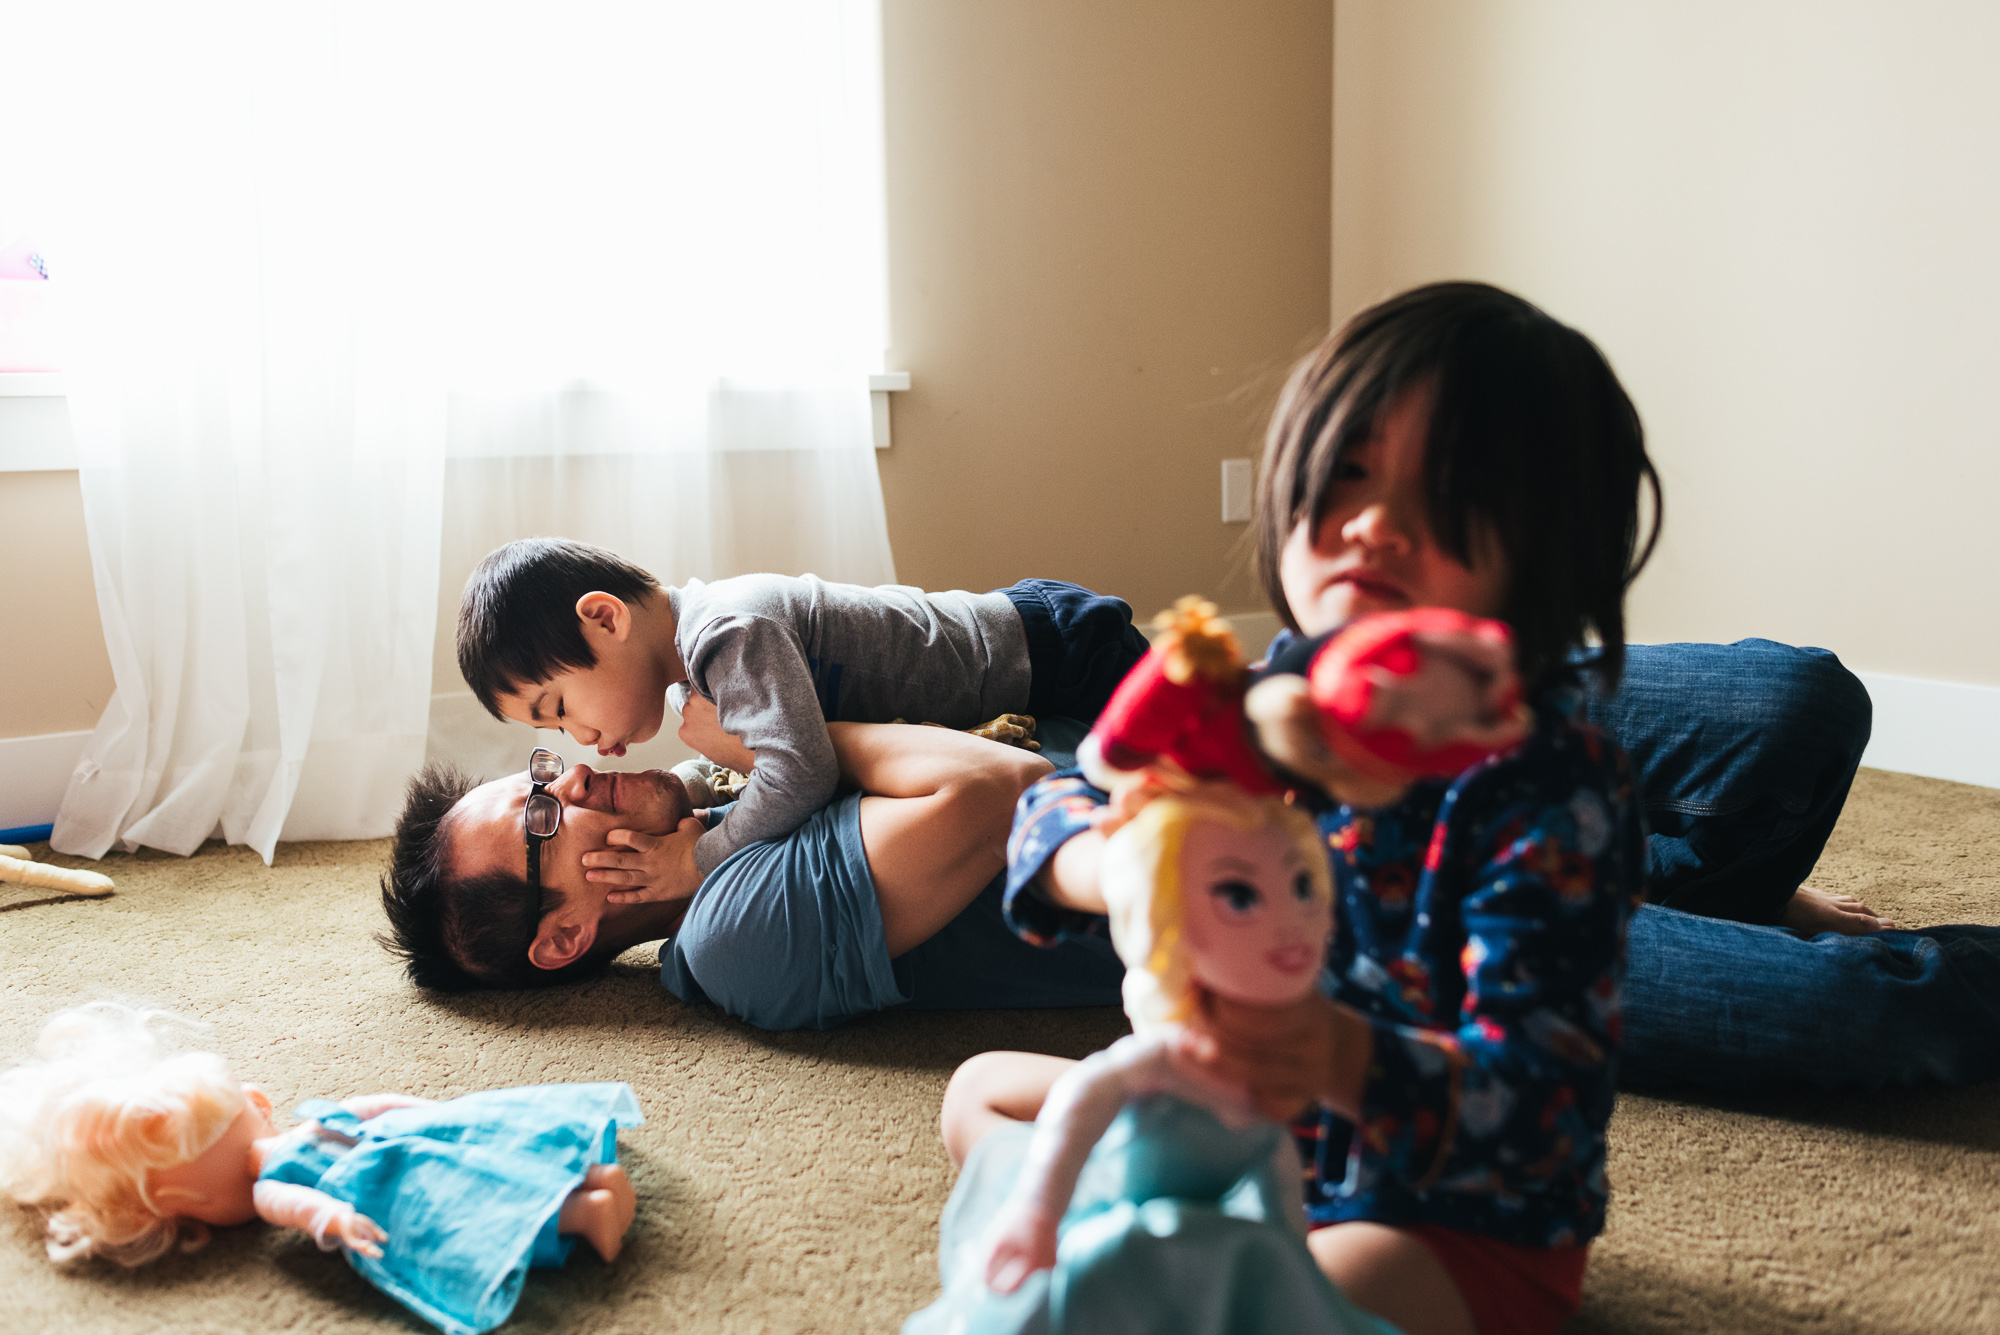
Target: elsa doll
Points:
(132, 1150)
(1145, 1197)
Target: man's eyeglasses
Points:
(541, 815)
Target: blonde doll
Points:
(1145, 1196)
(133, 1149)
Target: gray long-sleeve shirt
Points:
(781, 657)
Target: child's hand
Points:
(357, 1232)
(654, 867)
(1287, 1057)
(1287, 724)
(1023, 1242)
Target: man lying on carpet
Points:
(888, 896)
(893, 899)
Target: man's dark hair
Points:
(517, 622)
(1530, 434)
(458, 933)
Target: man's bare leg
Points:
(935, 824)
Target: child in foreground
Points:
(1453, 447)
(560, 634)
(134, 1150)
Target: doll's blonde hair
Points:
(1141, 879)
(103, 1102)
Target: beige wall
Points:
(54, 673)
(1107, 238)
(1782, 223)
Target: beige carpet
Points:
(792, 1182)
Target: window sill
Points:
(35, 435)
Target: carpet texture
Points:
(792, 1182)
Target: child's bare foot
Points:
(601, 1210)
(1814, 911)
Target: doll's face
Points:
(216, 1187)
(1256, 933)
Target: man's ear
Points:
(561, 940)
(603, 613)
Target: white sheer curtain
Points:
(620, 264)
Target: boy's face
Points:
(1370, 549)
(618, 703)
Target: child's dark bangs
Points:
(1364, 384)
(1469, 443)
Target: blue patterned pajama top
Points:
(1481, 929)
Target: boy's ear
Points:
(603, 612)
(561, 940)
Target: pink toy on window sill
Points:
(133, 1150)
(29, 335)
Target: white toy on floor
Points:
(17, 864)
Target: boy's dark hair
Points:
(457, 933)
(517, 622)
(1530, 434)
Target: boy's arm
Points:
(755, 672)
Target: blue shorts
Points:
(788, 935)
(1080, 646)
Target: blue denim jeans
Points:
(1745, 753)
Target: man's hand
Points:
(648, 868)
(1287, 1057)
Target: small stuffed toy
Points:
(1179, 712)
(1358, 714)
(1368, 709)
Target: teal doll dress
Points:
(1178, 1224)
(468, 1190)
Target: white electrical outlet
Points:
(1235, 491)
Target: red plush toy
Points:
(1179, 711)
(1418, 694)
(1360, 713)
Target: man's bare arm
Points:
(934, 819)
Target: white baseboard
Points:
(37, 770)
(1939, 729)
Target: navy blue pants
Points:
(1080, 646)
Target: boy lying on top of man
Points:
(780, 678)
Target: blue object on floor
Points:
(26, 834)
